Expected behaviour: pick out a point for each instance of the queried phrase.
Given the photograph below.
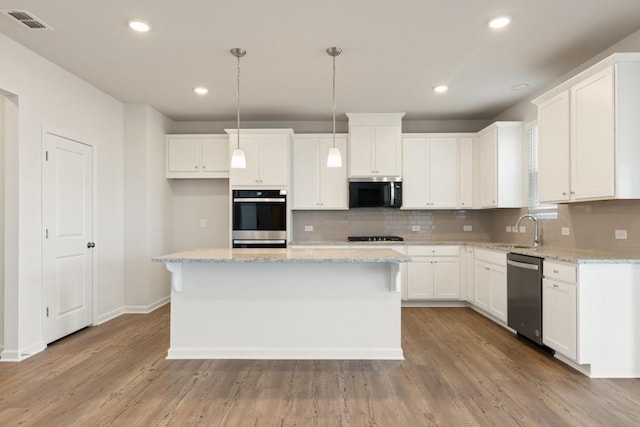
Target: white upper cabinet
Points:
(465, 167)
(197, 156)
(554, 174)
(500, 167)
(430, 171)
(589, 130)
(267, 153)
(316, 186)
(375, 144)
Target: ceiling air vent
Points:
(26, 18)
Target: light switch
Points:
(203, 223)
(467, 228)
(415, 228)
(308, 228)
(523, 229)
(508, 229)
(565, 231)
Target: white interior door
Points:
(68, 223)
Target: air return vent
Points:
(26, 18)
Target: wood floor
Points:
(460, 369)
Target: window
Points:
(540, 211)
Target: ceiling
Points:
(394, 52)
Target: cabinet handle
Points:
(564, 193)
(487, 268)
(573, 192)
(555, 285)
(555, 271)
(196, 166)
(204, 166)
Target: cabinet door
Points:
(361, 150)
(465, 166)
(183, 155)
(446, 278)
(215, 155)
(420, 279)
(470, 297)
(498, 279)
(592, 137)
(559, 317)
(306, 173)
(443, 173)
(274, 160)
(333, 181)
(415, 192)
(249, 176)
(482, 285)
(554, 146)
(388, 151)
(489, 169)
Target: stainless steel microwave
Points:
(378, 192)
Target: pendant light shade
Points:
(238, 159)
(334, 159)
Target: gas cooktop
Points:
(375, 239)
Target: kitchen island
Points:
(285, 304)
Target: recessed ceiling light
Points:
(500, 22)
(521, 86)
(440, 89)
(201, 90)
(139, 26)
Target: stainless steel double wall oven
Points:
(259, 219)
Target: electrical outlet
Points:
(308, 228)
(523, 229)
(621, 234)
(565, 231)
(508, 229)
(467, 228)
(203, 223)
(415, 228)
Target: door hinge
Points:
(47, 311)
(46, 156)
(46, 233)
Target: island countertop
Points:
(288, 255)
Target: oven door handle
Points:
(259, 242)
(258, 199)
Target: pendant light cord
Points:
(238, 102)
(334, 101)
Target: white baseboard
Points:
(287, 353)
(19, 356)
(144, 309)
(448, 303)
(109, 316)
(132, 309)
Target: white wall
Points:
(195, 200)
(2, 205)
(148, 208)
(52, 98)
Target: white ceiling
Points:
(394, 52)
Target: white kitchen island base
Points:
(286, 310)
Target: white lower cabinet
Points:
(433, 273)
(559, 308)
(490, 282)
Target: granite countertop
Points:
(289, 255)
(556, 254)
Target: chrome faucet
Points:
(536, 236)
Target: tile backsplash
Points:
(591, 225)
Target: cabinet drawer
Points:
(493, 257)
(560, 271)
(434, 250)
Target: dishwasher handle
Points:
(522, 265)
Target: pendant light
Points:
(238, 160)
(334, 159)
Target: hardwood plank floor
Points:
(460, 369)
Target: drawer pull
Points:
(555, 285)
(556, 271)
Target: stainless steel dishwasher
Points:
(524, 295)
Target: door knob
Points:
(91, 245)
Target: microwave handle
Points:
(393, 195)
